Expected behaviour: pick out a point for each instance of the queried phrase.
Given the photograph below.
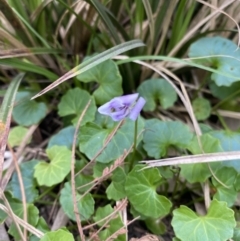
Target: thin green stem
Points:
(134, 145)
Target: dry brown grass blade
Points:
(18, 220)
(15, 22)
(197, 26)
(12, 215)
(166, 25)
(223, 12)
(21, 185)
(200, 158)
(151, 23)
(121, 205)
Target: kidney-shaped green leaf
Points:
(141, 187)
(155, 91)
(227, 193)
(210, 46)
(85, 205)
(92, 139)
(74, 102)
(116, 189)
(28, 112)
(16, 135)
(27, 170)
(200, 172)
(109, 79)
(201, 108)
(52, 173)
(223, 92)
(229, 141)
(217, 225)
(161, 135)
(63, 138)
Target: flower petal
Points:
(119, 115)
(137, 108)
(108, 107)
(105, 109)
(128, 100)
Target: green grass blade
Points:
(11, 17)
(28, 67)
(176, 60)
(13, 53)
(8, 100)
(102, 12)
(91, 62)
(149, 13)
(44, 42)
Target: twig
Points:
(12, 215)
(120, 206)
(21, 184)
(201, 158)
(121, 230)
(18, 220)
(75, 207)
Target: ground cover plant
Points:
(119, 120)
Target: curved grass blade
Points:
(13, 53)
(101, 10)
(28, 67)
(5, 116)
(91, 62)
(185, 62)
(19, 28)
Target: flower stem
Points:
(134, 145)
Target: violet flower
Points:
(123, 106)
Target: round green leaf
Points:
(85, 205)
(141, 187)
(59, 235)
(201, 108)
(155, 91)
(52, 173)
(228, 176)
(223, 92)
(116, 189)
(16, 135)
(160, 135)
(74, 102)
(200, 172)
(63, 138)
(156, 226)
(109, 79)
(27, 171)
(229, 141)
(217, 225)
(210, 46)
(28, 112)
(93, 137)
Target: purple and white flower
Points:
(123, 106)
